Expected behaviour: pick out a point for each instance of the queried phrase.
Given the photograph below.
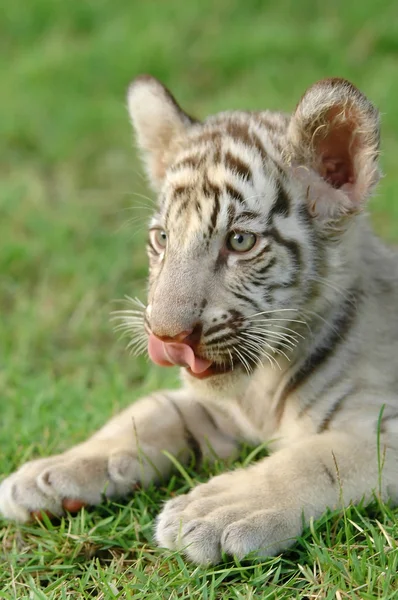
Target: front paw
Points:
(68, 482)
(232, 513)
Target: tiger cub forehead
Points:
(230, 170)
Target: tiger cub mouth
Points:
(168, 354)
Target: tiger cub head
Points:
(257, 224)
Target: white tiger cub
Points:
(270, 291)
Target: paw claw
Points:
(38, 514)
(73, 505)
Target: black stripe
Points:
(338, 332)
(233, 323)
(257, 282)
(385, 420)
(213, 136)
(236, 165)
(266, 267)
(214, 214)
(236, 316)
(214, 424)
(193, 445)
(329, 473)
(284, 285)
(305, 216)
(292, 246)
(221, 262)
(246, 287)
(215, 329)
(181, 190)
(241, 133)
(181, 208)
(332, 412)
(194, 162)
(190, 439)
(281, 206)
(234, 193)
(210, 418)
(216, 158)
(211, 190)
(226, 337)
(341, 325)
(202, 306)
(259, 146)
(249, 214)
(247, 300)
(264, 250)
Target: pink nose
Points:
(178, 338)
(191, 337)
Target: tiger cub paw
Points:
(67, 482)
(230, 514)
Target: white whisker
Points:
(271, 324)
(288, 345)
(230, 358)
(243, 361)
(131, 222)
(127, 314)
(274, 310)
(279, 319)
(259, 347)
(144, 197)
(136, 207)
(131, 322)
(128, 318)
(137, 346)
(128, 328)
(136, 301)
(346, 295)
(258, 352)
(253, 353)
(276, 334)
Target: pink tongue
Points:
(175, 354)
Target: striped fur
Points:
(302, 328)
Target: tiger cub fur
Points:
(269, 290)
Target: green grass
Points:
(69, 183)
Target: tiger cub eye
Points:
(239, 241)
(158, 239)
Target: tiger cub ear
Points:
(334, 137)
(160, 124)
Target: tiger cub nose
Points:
(189, 336)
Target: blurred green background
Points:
(72, 225)
(73, 207)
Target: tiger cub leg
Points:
(263, 508)
(127, 451)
